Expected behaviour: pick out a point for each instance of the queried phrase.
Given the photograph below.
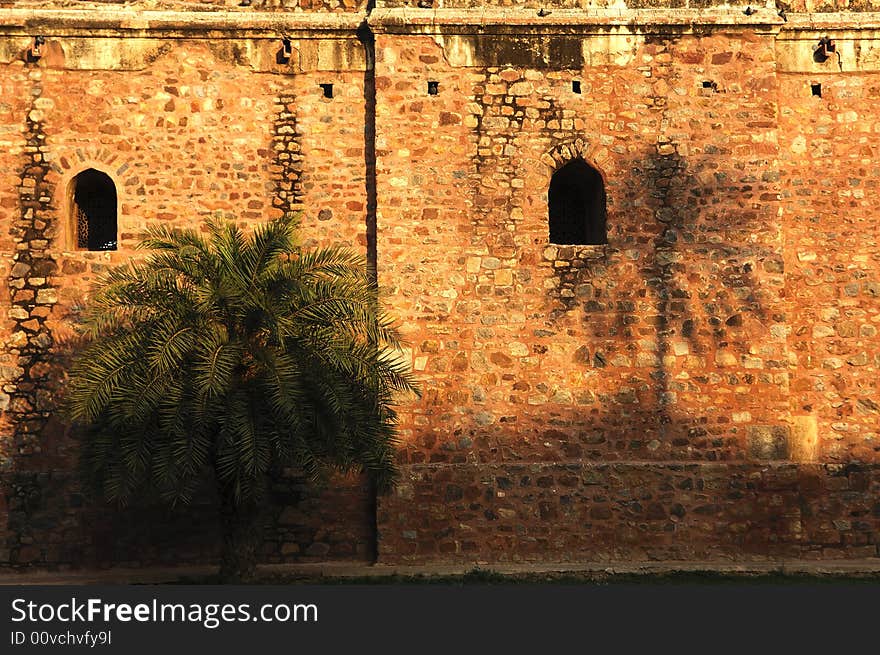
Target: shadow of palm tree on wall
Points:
(679, 290)
(672, 316)
(708, 300)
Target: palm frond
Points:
(229, 353)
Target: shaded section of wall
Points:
(631, 511)
(368, 40)
(33, 290)
(50, 524)
(15, 103)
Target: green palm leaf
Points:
(229, 354)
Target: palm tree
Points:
(226, 356)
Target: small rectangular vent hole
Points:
(816, 90)
(433, 88)
(576, 86)
(327, 89)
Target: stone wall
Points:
(829, 144)
(632, 511)
(201, 129)
(47, 522)
(667, 343)
(687, 346)
(197, 6)
(703, 386)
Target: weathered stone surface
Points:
(767, 442)
(607, 512)
(712, 369)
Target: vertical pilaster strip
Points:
(31, 285)
(287, 171)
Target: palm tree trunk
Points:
(241, 532)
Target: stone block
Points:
(768, 442)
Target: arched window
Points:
(577, 205)
(94, 210)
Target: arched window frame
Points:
(109, 240)
(593, 231)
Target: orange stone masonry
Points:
(702, 387)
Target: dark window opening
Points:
(327, 89)
(816, 89)
(285, 52)
(433, 88)
(576, 86)
(577, 205)
(94, 210)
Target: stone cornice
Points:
(176, 24)
(106, 22)
(834, 21)
(567, 21)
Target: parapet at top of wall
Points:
(544, 6)
(193, 5)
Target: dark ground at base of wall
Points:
(788, 572)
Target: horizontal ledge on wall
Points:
(405, 20)
(521, 19)
(518, 19)
(232, 24)
(528, 17)
(832, 468)
(834, 21)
